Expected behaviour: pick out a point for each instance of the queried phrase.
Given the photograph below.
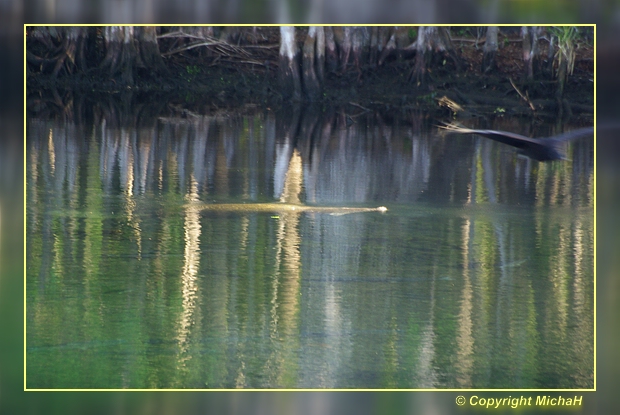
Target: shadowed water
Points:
(153, 263)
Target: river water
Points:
(479, 275)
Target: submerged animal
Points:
(541, 149)
(284, 208)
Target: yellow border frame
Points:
(462, 391)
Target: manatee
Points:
(283, 208)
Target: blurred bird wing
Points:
(574, 134)
(505, 137)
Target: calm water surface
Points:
(479, 275)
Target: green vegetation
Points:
(567, 43)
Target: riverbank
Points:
(194, 79)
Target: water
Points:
(479, 275)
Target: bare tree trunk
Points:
(230, 34)
(359, 42)
(419, 69)
(289, 64)
(489, 64)
(395, 40)
(526, 37)
(76, 37)
(388, 47)
(384, 41)
(351, 41)
(374, 46)
(550, 56)
(433, 43)
(331, 54)
(345, 48)
(129, 48)
(320, 53)
(66, 47)
(149, 56)
(121, 54)
(310, 65)
(529, 34)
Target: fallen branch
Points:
(250, 62)
(359, 106)
(188, 47)
(220, 46)
(444, 101)
(526, 99)
(179, 34)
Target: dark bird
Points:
(541, 149)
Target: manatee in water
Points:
(283, 208)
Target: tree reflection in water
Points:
(480, 275)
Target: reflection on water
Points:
(480, 274)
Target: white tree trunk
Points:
(289, 64)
